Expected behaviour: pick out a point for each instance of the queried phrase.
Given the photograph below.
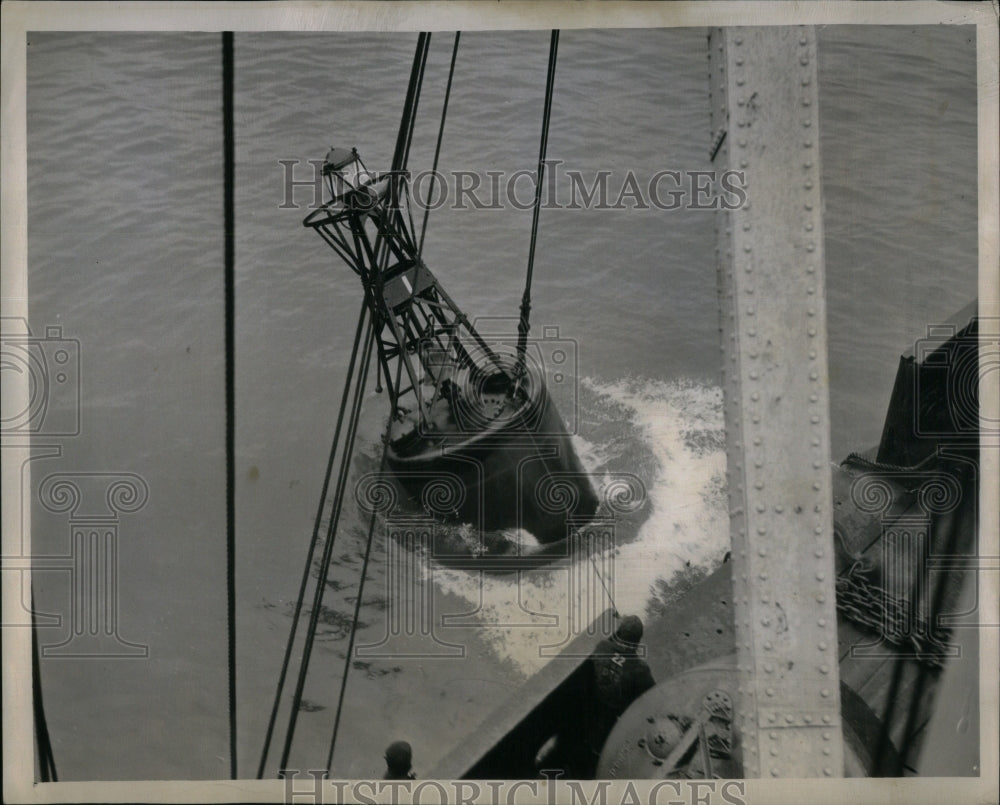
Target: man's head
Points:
(399, 756)
(629, 631)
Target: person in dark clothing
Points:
(612, 678)
(398, 761)
(618, 676)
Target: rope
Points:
(338, 497)
(402, 151)
(312, 543)
(230, 283)
(437, 149)
(46, 760)
(523, 325)
(354, 624)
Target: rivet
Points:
(821, 622)
(814, 420)
(739, 62)
(755, 396)
(804, 61)
(739, 41)
(743, 143)
(807, 122)
(810, 247)
(803, 40)
(750, 311)
(826, 735)
(805, 81)
(819, 554)
(748, 269)
(746, 227)
(809, 269)
(774, 772)
(768, 668)
(773, 736)
(763, 577)
(821, 598)
(812, 332)
(762, 553)
(818, 530)
(789, 718)
(806, 102)
(771, 718)
(808, 186)
(813, 375)
(809, 228)
(825, 693)
(768, 646)
(824, 669)
(822, 645)
(769, 691)
(813, 398)
(751, 332)
(828, 771)
(826, 751)
(739, 81)
(827, 720)
(758, 485)
(815, 442)
(820, 576)
(808, 719)
(765, 622)
(812, 354)
(756, 439)
(779, 508)
(808, 205)
(808, 143)
(761, 508)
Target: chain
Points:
(893, 618)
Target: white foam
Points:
(679, 424)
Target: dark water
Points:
(125, 254)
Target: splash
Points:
(671, 435)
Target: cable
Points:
(437, 149)
(230, 259)
(328, 547)
(354, 624)
(523, 325)
(312, 543)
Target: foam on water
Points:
(670, 435)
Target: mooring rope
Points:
(524, 325)
(437, 149)
(317, 524)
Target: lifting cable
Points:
(437, 149)
(523, 325)
(402, 146)
(400, 158)
(312, 544)
(331, 533)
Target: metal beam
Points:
(765, 125)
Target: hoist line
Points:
(361, 589)
(43, 742)
(338, 497)
(440, 137)
(354, 621)
(523, 325)
(303, 585)
(416, 100)
(402, 151)
(229, 229)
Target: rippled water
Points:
(125, 254)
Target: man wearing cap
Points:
(398, 760)
(618, 676)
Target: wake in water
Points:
(670, 435)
